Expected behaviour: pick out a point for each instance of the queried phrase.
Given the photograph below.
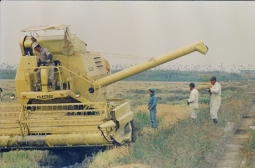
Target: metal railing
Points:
(86, 79)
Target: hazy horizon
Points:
(143, 29)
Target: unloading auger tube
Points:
(153, 62)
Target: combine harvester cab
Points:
(77, 110)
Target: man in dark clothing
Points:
(45, 59)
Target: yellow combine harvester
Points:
(77, 110)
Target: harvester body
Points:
(78, 110)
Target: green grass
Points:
(187, 143)
(141, 120)
(22, 159)
(251, 150)
(40, 158)
(248, 150)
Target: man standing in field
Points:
(152, 104)
(193, 101)
(215, 92)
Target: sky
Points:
(145, 29)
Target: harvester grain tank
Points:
(78, 110)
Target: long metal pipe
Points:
(197, 46)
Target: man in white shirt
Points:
(193, 101)
(215, 92)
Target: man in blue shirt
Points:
(152, 104)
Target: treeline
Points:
(185, 76)
(7, 73)
(159, 74)
(163, 75)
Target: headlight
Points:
(77, 94)
(12, 96)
